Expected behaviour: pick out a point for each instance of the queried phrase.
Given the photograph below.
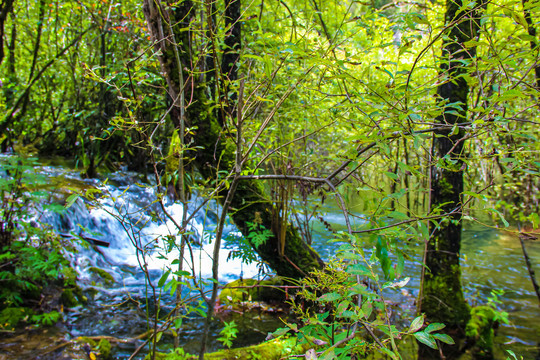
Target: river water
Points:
(127, 217)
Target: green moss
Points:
(72, 296)
(104, 348)
(275, 349)
(86, 340)
(480, 329)
(252, 290)
(104, 275)
(446, 189)
(443, 298)
(68, 298)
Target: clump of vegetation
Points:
(33, 269)
(480, 329)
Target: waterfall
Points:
(127, 216)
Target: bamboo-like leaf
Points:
(163, 278)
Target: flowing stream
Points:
(127, 218)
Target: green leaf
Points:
(382, 255)
(342, 307)
(359, 269)
(417, 323)
(434, 327)
(182, 273)
(328, 355)
(527, 37)
(501, 216)
(348, 255)
(426, 339)
(397, 215)
(444, 338)
(400, 264)
(390, 353)
(281, 331)
(333, 296)
(178, 323)
(359, 289)
(71, 200)
(511, 353)
(367, 309)
(163, 278)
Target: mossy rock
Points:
(86, 340)
(104, 348)
(253, 290)
(269, 350)
(72, 296)
(107, 278)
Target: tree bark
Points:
(443, 299)
(216, 148)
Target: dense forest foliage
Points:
(410, 117)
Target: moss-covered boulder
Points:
(253, 290)
(270, 350)
(107, 278)
(279, 348)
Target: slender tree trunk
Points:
(216, 148)
(6, 7)
(443, 299)
(12, 71)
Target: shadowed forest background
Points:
(363, 175)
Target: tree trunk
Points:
(216, 149)
(535, 47)
(443, 299)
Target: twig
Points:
(522, 237)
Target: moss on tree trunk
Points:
(443, 299)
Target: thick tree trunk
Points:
(443, 299)
(216, 148)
